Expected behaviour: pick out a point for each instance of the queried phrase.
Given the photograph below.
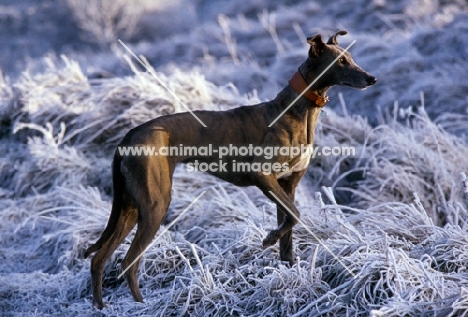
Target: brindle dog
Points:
(142, 184)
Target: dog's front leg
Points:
(269, 185)
(289, 186)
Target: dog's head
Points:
(342, 72)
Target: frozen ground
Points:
(396, 215)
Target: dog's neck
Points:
(309, 71)
(307, 110)
(298, 84)
(303, 110)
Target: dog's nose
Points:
(371, 80)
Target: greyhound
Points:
(142, 184)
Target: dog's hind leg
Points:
(151, 213)
(148, 225)
(118, 184)
(124, 224)
(154, 196)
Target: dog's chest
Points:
(299, 166)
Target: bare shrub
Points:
(107, 20)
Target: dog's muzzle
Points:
(371, 80)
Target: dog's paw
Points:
(87, 253)
(271, 239)
(288, 258)
(99, 304)
(92, 248)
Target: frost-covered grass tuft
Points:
(56, 201)
(395, 160)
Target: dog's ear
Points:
(316, 45)
(332, 39)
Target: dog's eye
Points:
(342, 60)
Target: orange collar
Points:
(298, 84)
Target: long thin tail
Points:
(118, 184)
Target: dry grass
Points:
(55, 177)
